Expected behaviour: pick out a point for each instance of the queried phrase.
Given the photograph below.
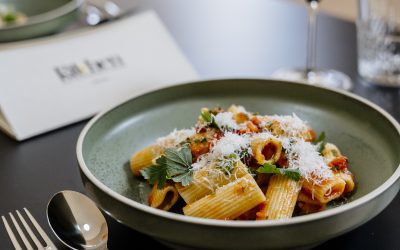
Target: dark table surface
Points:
(221, 38)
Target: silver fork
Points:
(28, 246)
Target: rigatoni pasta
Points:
(327, 190)
(235, 165)
(266, 150)
(144, 158)
(207, 180)
(229, 201)
(163, 198)
(281, 197)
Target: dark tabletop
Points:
(221, 38)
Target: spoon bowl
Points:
(76, 221)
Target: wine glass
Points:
(311, 75)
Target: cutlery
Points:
(77, 222)
(101, 11)
(21, 233)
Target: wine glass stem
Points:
(311, 40)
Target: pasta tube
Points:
(207, 180)
(330, 152)
(229, 201)
(163, 198)
(307, 205)
(239, 114)
(144, 158)
(338, 162)
(348, 178)
(281, 197)
(326, 191)
(268, 150)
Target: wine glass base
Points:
(325, 78)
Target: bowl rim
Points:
(59, 11)
(238, 224)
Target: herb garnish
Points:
(9, 17)
(320, 142)
(320, 138)
(227, 163)
(268, 168)
(200, 140)
(209, 118)
(175, 164)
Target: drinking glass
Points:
(312, 75)
(378, 34)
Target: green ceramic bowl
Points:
(44, 17)
(364, 132)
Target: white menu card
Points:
(51, 82)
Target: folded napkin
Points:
(51, 82)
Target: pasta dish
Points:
(9, 16)
(238, 165)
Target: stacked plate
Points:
(23, 19)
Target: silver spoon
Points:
(77, 222)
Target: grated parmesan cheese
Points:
(301, 155)
(230, 144)
(291, 125)
(288, 129)
(263, 135)
(175, 137)
(226, 122)
(304, 156)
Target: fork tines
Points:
(21, 233)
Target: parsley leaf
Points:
(184, 178)
(320, 138)
(175, 164)
(209, 118)
(268, 168)
(156, 173)
(320, 142)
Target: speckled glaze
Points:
(365, 133)
(44, 17)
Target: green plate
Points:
(366, 134)
(44, 17)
